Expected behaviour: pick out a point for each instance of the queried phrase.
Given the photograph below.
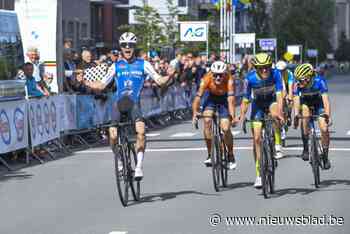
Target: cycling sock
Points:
(325, 152)
(139, 159)
(278, 140)
(305, 142)
(257, 168)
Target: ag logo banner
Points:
(194, 31)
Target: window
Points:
(70, 30)
(182, 3)
(11, 53)
(84, 30)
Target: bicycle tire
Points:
(224, 164)
(264, 173)
(135, 184)
(122, 178)
(272, 163)
(215, 157)
(314, 162)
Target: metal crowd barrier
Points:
(42, 123)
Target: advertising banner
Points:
(13, 126)
(44, 120)
(194, 31)
(37, 22)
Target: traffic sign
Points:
(267, 43)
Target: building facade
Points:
(7, 4)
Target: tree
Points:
(170, 24)
(148, 28)
(259, 19)
(343, 51)
(303, 22)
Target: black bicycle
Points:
(268, 163)
(219, 153)
(316, 150)
(125, 157)
(287, 110)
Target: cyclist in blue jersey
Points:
(288, 82)
(263, 88)
(129, 74)
(311, 91)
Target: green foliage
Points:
(148, 30)
(259, 19)
(343, 51)
(303, 22)
(170, 24)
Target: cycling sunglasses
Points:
(303, 80)
(218, 76)
(127, 45)
(264, 68)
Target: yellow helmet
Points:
(305, 70)
(262, 59)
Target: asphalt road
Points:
(77, 194)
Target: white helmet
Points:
(218, 67)
(281, 65)
(128, 37)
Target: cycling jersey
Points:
(288, 78)
(257, 89)
(130, 77)
(311, 95)
(208, 84)
(261, 92)
(216, 95)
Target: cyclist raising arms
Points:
(311, 91)
(263, 87)
(219, 85)
(129, 74)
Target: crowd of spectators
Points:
(189, 68)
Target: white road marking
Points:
(114, 232)
(184, 134)
(152, 134)
(203, 149)
(348, 133)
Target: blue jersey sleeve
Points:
(323, 86)
(278, 81)
(247, 90)
(295, 90)
(290, 78)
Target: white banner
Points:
(294, 49)
(194, 31)
(13, 126)
(44, 119)
(37, 21)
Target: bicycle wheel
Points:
(315, 161)
(224, 164)
(215, 162)
(264, 171)
(122, 176)
(135, 185)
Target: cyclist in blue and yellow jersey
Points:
(288, 82)
(263, 88)
(129, 74)
(311, 91)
